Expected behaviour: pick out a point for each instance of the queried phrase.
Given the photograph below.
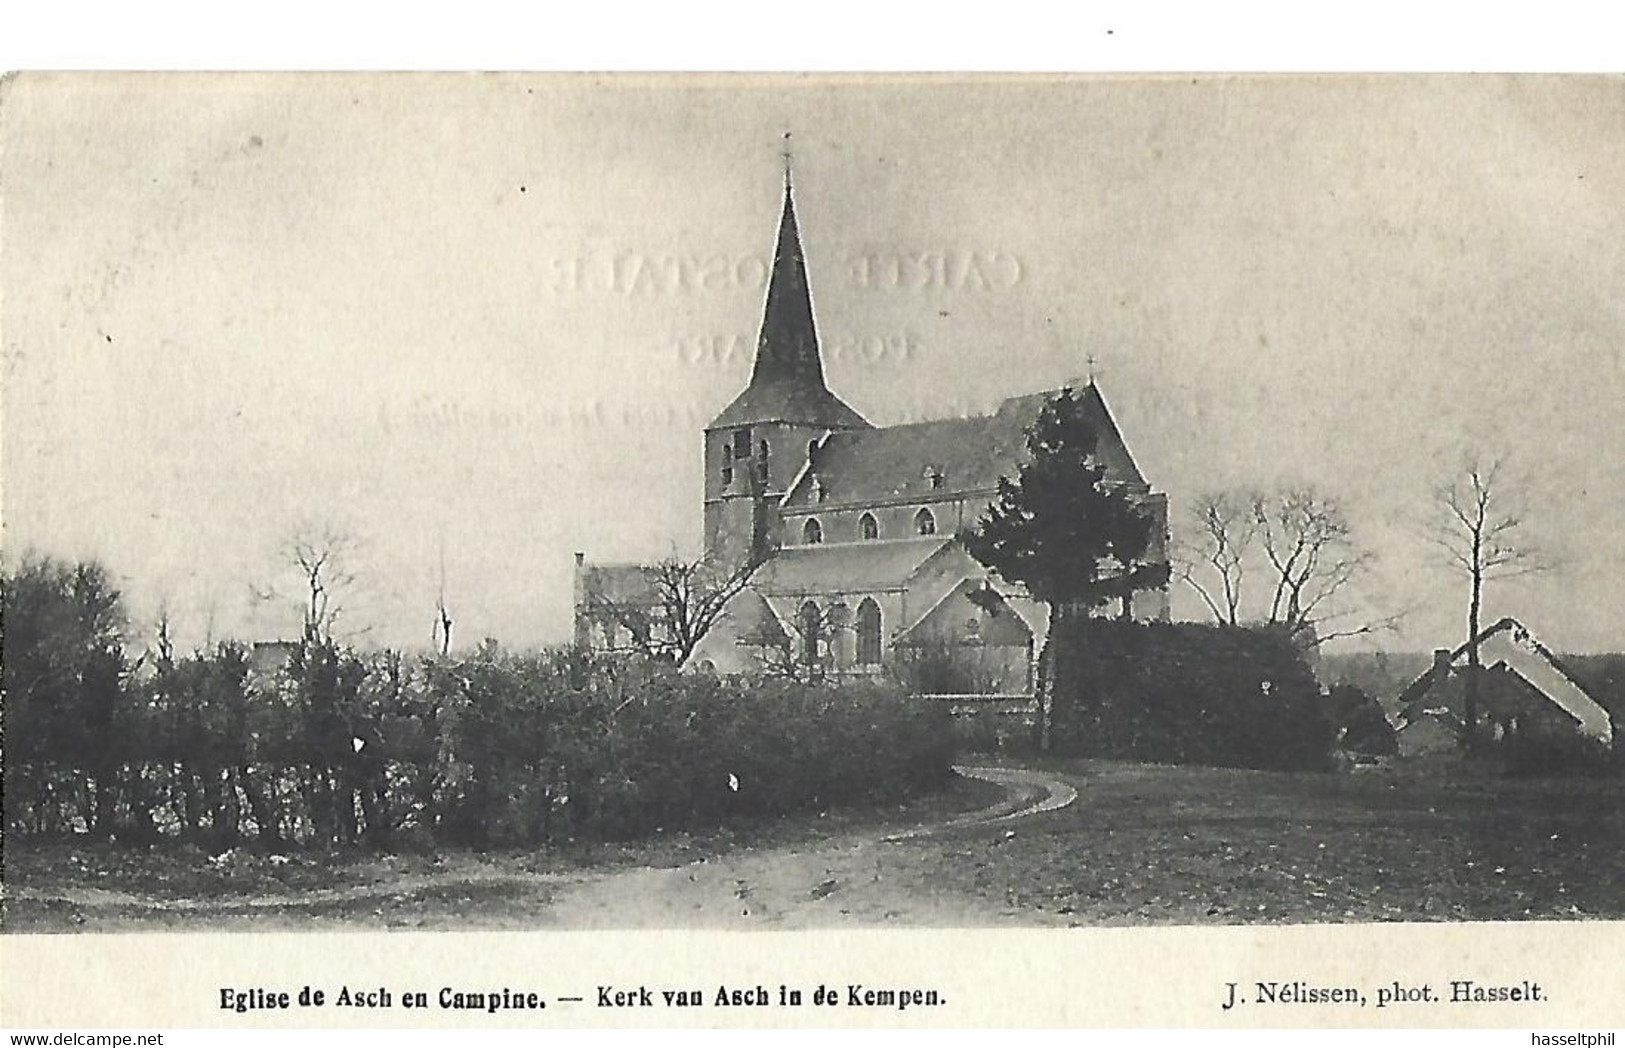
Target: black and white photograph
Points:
(529, 502)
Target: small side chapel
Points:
(852, 527)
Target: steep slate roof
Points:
(875, 465)
(787, 381)
(782, 402)
(845, 567)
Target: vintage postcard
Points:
(516, 550)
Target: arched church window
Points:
(868, 625)
(812, 532)
(810, 628)
(925, 523)
(868, 527)
(727, 465)
(812, 449)
(837, 628)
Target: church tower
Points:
(759, 443)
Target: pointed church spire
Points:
(787, 347)
(787, 379)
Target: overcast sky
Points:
(482, 320)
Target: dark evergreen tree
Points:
(1075, 541)
(63, 689)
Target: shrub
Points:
(1359, 718)
(568, 745)
(1531, 754)
(940, 667)
(1186, 694)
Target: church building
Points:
(848, 530)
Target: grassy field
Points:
(1201, 846)
(1143, 844)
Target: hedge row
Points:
(493, 748)
(1183, 693)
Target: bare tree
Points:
(163, 639)
(441, 634)
(210, 612)
(321, 554)
(1312, 560)
(1214, 564)
(682, 600)
(1286, 558)
(442, 626)
(1481, 531)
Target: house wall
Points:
(1428, 735)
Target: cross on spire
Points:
(1078, 383)
(786, 154)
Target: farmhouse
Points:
(849, 530)
(1525, 690)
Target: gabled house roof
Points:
(968, 454)
(617, 584)
(1508, 647)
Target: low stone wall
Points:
(997, 723)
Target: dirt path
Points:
(859, 878)
(405, 884)
(1027, 793)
